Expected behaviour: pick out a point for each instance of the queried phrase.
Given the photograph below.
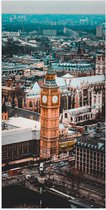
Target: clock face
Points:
(55, 99)
(44, 99)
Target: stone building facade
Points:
(20, 140)
(77, 115)
(100, 64)
(84, 91)
(90, 153)
(32, 99)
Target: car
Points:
(28, 176)
(4, 175)
(62, 164)
(41, 167)
(55, 166)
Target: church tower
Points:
(50, 106)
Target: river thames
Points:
(20, 197)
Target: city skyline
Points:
(53, 7)
(53, 104)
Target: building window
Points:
(66, 115)
(81, 154)
(30, 104)
(94, 164)
(94, 158)
(90, 161)
(94, 167)
(101, 155)
(45, 144)
(101, 164)
(54, 133)
(99, 99)
(71, 119)
(94, 99)
(85, 92)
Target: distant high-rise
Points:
(49, 32)
(99, 31)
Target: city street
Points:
(57, 175)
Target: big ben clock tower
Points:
(50, 106)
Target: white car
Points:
(28, 176)
(4, 175)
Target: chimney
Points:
(98, 133)
(86, 131)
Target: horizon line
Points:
(50, 14)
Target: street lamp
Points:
(33, 157)
(40, 197)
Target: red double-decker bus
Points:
(14, 171)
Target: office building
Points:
(90, 153)
(20, 140)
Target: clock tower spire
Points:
(50, 106)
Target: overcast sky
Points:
(53, 6)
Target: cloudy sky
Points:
(54, 6)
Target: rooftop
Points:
(67, 76)
(7, 88)
(11, 66)
(19, 130)
(61, 126)
(82, 64)
(19, 112)
(94, 141)
(34, 91)
(78, 110)
(76, 82)
(60, 82)
(21, 122)
(17, 136)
